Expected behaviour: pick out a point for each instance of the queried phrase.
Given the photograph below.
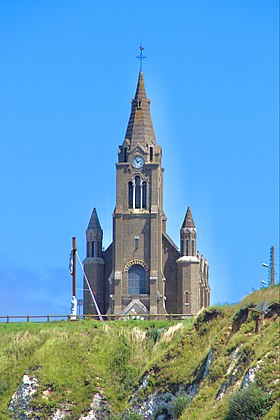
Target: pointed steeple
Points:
(188, 221)
(94, 221)
(140, 93)
(140, 127)
(94, 236)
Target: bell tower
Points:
(138, 282)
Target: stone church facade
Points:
(143, 271)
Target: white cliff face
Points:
(19, 405)
(248, 378)
(98, 409)
(209, 360)
(160, 404)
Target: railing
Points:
(109, 317)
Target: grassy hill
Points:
(212, 367)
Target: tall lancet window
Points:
(187, 248)
(193, 248)
(130, 195)
(144, 195)
(137, 192)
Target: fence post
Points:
(8, 319)
(48, 318)
(27, 318)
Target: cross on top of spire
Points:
(141, 57)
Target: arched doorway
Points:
(136, 280)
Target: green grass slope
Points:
(73, 361)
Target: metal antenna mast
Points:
(271, 264)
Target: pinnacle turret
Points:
(140, 127)
(188, 221)
(94, 235)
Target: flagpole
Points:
(73, 272)
(74, 252)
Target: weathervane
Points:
(141, 57)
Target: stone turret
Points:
(188, 235)
(94, 265)
(94, 237)
(188, 269)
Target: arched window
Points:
(130, 195)
(136, 280)
(187, 295)
(137, 193)
(144, 195)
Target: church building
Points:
(142, 271)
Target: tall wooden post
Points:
(272, 266)
(74, 251)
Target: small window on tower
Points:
(136, 242)
(144, 195)
(130, 195)
(125, 154)
(187, 295)
(139, 104)
(151, 154)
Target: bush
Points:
(249, 404)
(179, 403)
(154, 333)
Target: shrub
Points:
(248, 404)
(132, 415)
(154, 333)
(179, 403)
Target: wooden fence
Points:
(109, 317)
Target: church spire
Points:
(188, 221)
(188, 235)
(94, 235)
(94, 221)
(140, 127)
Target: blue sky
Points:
(68, 73)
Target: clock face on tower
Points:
(137, 162)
